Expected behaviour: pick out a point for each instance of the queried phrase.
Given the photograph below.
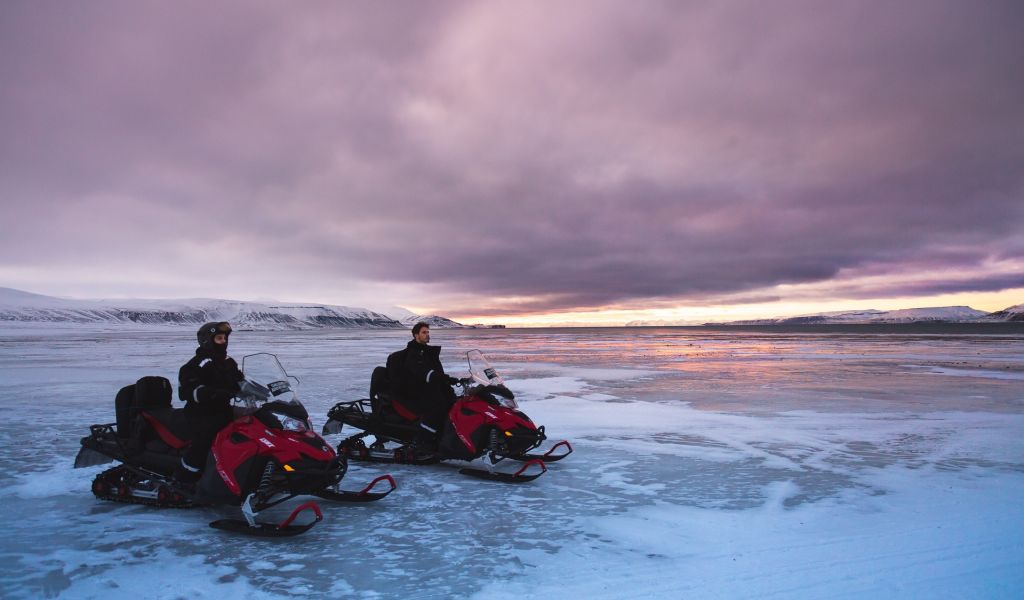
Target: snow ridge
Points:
(939, 314)
(936, 314)
(19, 306)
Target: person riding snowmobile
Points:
(417, 376)
(207, 383)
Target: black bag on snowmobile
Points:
(147, 392)
(124, 413)
(152, 392)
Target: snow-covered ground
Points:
(707, 465)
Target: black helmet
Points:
(208, 330)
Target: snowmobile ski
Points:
(517, 477)
(285, 528)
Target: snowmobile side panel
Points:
(248, 437)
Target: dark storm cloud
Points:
(534, 156)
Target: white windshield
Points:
(266, 380)
(481, 371)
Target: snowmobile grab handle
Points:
(307, 506)
(387, 478)
(561, 443)
(528, 464)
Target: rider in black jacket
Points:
(207, 383)
(418, 377)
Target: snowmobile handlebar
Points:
(250, 394)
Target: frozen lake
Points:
(708, 464)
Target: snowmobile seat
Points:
(387, 406)
(166, 427)
(394, 409)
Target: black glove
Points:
(453, 380)
(216, 396)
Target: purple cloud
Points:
(549, 156)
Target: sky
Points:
(520, 162)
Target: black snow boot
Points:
(186, 476)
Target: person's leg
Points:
(205, 426)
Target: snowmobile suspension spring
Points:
(268, 473)
(497, 443)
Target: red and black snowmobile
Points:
(266, 456)
(484, 421)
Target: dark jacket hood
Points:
(426, 348)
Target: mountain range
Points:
(940, 314)
(17, 306)
(26, 307)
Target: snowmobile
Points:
(266, 456)
(484, 421)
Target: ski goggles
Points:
(222, 327)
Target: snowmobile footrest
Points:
(517, 477)
(283, 529)
(364, 495)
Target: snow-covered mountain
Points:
(1014, 313)
(408, 318)
(433, 320)
(943, 314)
(19, 306)
(664, 323)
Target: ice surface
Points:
(707, 465)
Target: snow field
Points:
(664, 497)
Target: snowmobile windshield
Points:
(266, 381)
(481, 370)
(486, 376)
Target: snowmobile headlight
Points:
(290, 423)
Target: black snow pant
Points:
(436, 401)
(205, 424)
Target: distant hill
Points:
(26, 307)
(433, 320)
(1014, 313)
(408, 318)
(941, 314)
